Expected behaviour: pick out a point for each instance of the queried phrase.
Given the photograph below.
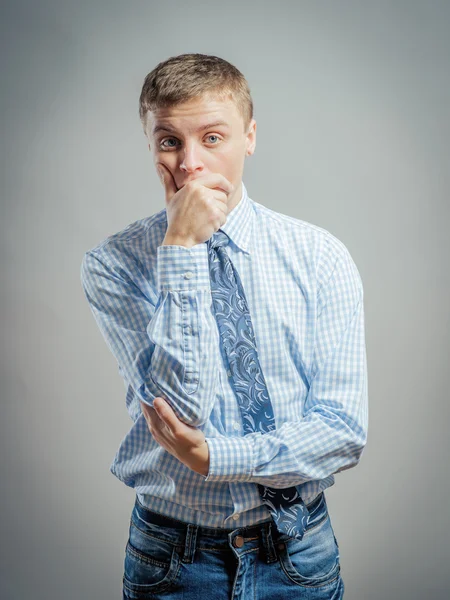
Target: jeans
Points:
(166, 558)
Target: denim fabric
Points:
(166, 558)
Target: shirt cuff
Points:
(181, 268)
(230, 458)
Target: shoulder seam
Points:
(121, 235)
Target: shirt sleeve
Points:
(165, 344)
(332, 433)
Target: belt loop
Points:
(190, 544)
(267, 539)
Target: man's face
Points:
(190, 144)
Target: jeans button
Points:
(238, 541)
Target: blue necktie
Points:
(238, 345)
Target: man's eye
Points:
(162, 144)
(167, 140)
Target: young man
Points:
(244, 365)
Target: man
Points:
(230, 499)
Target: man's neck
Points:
(236, 198)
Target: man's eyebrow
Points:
(201, 128)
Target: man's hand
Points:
(196, 210)
(186, 443)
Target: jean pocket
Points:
(151, 565)
(312, 561)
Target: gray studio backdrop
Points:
(352, 108)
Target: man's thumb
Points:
(167, 181)
(160, 170)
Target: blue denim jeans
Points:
(166, 558)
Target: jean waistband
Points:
(161, 520)
(187, 537)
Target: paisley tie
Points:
(238, 347)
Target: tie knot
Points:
(219, 239)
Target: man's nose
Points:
(191, 161)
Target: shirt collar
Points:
(239, 223)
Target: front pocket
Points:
(151, 565)
(312, 561)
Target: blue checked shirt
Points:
(153, 306)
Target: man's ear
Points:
(251, 138)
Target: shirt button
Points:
(236, 426)
(188, 329)
(238, 541)
(188, 275)
(229, 373)
(236, 517)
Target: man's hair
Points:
(187, 76)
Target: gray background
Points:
(352, 108)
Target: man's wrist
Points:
(171, 240)
(201, 460)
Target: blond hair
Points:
(187, 76)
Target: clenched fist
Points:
(197, 210)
